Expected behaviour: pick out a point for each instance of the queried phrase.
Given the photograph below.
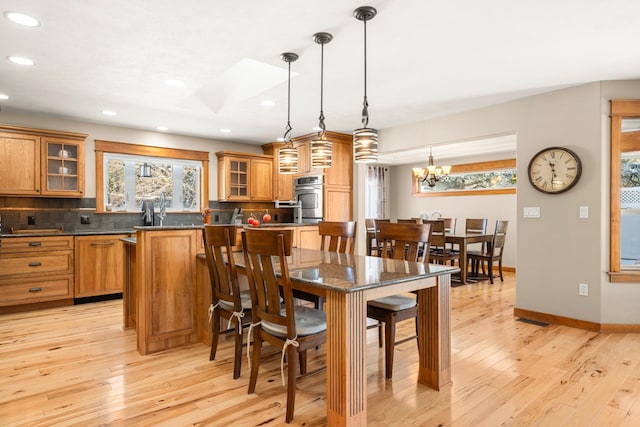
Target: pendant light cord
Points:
(288, 129)
(365, 103)
(321, 118)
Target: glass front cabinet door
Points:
(63, 167)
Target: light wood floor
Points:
(76, 366)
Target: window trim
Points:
(620, 109)
(149, 151)
(470, 168)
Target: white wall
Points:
(557, 251)
(128, 135)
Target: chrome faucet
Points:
(163, 207)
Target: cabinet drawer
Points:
(38, 264)
(33, 290)
(36, 244)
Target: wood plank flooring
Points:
(76, 366)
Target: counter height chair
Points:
(293, 328)
(336, 237)
(408, 242)
(227, 301)
(492, 253)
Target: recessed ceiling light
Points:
(4, 96)
(224, 130)
(20, 60)
(22, 19)
(268, 103)
(162, 128)
(316, 128)
(280, 139)
(109, 112)
(174, 82)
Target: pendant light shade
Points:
(321, 149)
(288, 155)
(365, 139)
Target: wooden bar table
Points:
(347, 282)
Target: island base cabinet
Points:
(166, 297)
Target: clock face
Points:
(554, 170)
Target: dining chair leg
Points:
(389, 345)
(215, 334)
(380, 337)
(302, 356)
(490, 268)
(291, 384)
(237, 361)
(500, 269)
(255, 363)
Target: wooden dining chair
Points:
(476, 225)
(408, 242)
(441, 252)
(373, 248)
(336, 237)
(292, 328)
(227, 301)
(409, 221)
(492, 253)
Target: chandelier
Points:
(432, 173)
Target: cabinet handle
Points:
(102, 244)
(35, 243)
(34, 290)
(35, 264)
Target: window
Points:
(624, 248)
(127, 174)
(496, 177)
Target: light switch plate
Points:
(531, 212)
(584, 211)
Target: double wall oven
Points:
(308, 193)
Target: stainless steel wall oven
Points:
(308, 191)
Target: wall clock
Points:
(554, 170)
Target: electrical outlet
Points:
(31, 220)
(84, 219)
(583, 289)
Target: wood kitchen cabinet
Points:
(244, 177)
(35, 271)
(282, 182)
(40, 162)
(338, 179)
(165, 288)
(99, 268)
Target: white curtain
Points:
(376, 193)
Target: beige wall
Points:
(557, 251)
(133, 136)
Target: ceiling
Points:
(426, 58)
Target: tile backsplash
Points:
(78, 215)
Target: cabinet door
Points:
(236, 178)
(341, 171)
(304, 159)
(62, 167)
(99, 265)
(261, 180)
(19, 164)
(337, 204)
(308, 237)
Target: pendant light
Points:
(288, 155)
(365, 139)
(321, 152)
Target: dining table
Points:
(347, 282)
(463, 239)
